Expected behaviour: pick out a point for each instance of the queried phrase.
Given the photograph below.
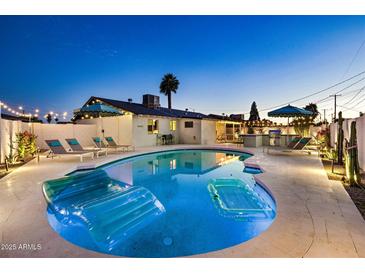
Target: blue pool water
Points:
(165, 204)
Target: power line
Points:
(360, 90)
(358, 103)
(362, 79)
(347, 93)
(349, 109)
(320, 91)
(353, 59)
(336, 94)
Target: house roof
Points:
(140, 109)
(224, 118)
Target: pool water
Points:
(165, 204)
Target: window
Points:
(173, 125)
(229, 132)
(152, 126)
(173, 164)
(189, 124)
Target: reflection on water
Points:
(161, 205)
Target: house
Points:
(228, 128)
(143, 124)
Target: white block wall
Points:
(8, 131)
(118, 127)
(360, 130)
(45, 132)
(82, 133)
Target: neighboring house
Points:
(144, 124)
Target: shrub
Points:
(26, 144)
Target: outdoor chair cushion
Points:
(55, 143)
(72, 142)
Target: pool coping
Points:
(156, 152)
(306, 201)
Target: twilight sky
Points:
(223, 62)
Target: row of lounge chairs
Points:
(57, 149)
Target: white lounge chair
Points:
(75, 146)
(57, 149)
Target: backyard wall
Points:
(44, 132)
(118, 127)
(8, 129)
(360, 130)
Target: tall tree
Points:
(302, 124)
(254, 113)
(313, 108)
(49, 118)
(169, 84)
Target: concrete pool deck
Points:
(315, 216)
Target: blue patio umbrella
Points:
(289, 112)
(99, 110)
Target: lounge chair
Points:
(58, 150)
(75, 146)
(293, 142)
(113, 144)
(99, 142)
(302, 143)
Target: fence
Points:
(360, 130)
(10, 128)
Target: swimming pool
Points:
(165, 204)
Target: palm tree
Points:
(168, 85)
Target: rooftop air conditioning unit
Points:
(151, 101)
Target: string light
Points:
(21, 112)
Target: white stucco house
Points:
(143, 124)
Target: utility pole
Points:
(335, 104)
(324, 116)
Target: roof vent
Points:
(130, 100)
(151, 101)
